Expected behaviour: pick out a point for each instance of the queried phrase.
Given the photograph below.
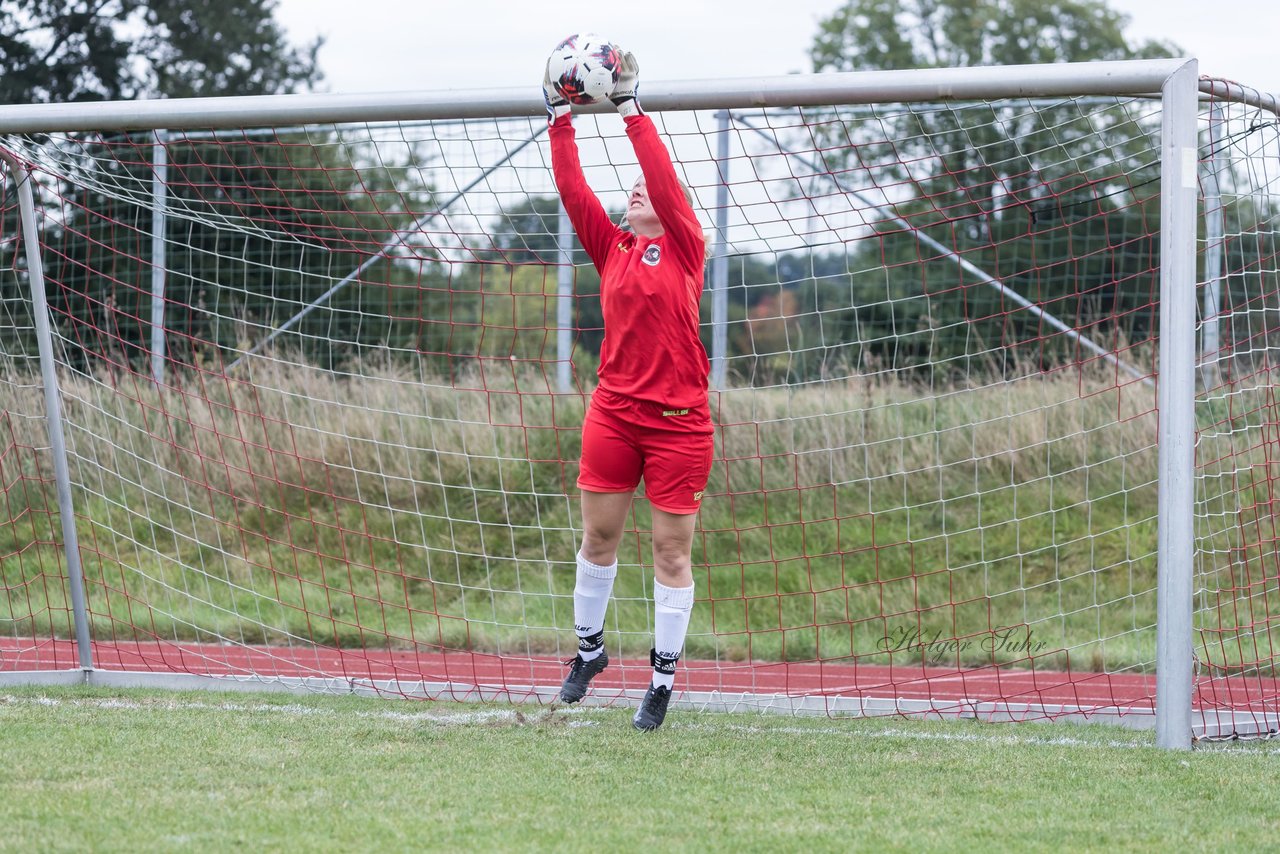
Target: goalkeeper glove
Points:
(557, 106)
(625, 92)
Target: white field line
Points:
(1245, 745)
(921, 735)
(488, 716)
(291, 709)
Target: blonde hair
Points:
(706, 235)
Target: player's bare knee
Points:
(672, 566)
(671, 542)
(600, 546)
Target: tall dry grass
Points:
(382, 507)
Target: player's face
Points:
(640, 214)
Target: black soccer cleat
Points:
(653, 708)
(580, 675)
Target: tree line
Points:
(1058, 203)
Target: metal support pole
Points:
(1176, 401)
(1214, 229)
(564, 301)
(159, 207)
(719, 260)
(53, 407)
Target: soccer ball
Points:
(584, 68)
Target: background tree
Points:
(267, 221)
(525, 233)
(998, 183)
(892, 34)
(92, 50)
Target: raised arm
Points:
(595, 230)
(679, 222)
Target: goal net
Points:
(1237, 642)
(321, 388)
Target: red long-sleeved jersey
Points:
(649, 289)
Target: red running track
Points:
(1134, 693)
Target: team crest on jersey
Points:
(652, 255)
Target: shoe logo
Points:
(652, 255)
(663, 662)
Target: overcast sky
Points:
(389, 45)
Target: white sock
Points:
(671, 609)
(590, 600)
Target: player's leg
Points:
(604, 514)
(608, 476)
(672, 607)
(672, 592)
(673, 547)
(675, 479)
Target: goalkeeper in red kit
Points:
(649, 417)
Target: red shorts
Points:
(624, 439)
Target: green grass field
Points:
(112, 770)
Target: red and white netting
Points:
(350, 456)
